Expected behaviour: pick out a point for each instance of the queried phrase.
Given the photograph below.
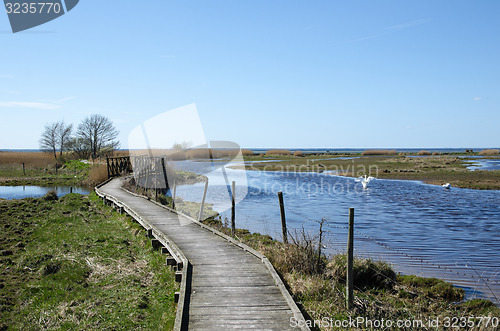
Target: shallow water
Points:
(421, 229)
(28, 191)
(485, 164)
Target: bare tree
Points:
(64, 136)
(49, 139)
(55, 137)
(79, 148)
(98, 134)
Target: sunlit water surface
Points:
(29, 191)
(421, 229)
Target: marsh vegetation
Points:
(75, 264)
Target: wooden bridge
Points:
(224, 284)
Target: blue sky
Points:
(336, 74)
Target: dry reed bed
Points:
(278, 152)
(30, 159)
(371, 152)
(489, 152)
(195, 153)
(98, 174)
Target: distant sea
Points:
(359, 150)
(21, 150)
(323, 150)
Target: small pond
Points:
(29, 191)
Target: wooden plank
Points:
(230, 288)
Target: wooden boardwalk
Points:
(228, 287)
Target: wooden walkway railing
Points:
(118, 165)
(224, 283)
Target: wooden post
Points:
(164, 169)
(156, 180)
(350, 261)
(203, 201)
(173, 196)
(233, 209)
(283, 218)
(24, 170)
(107, 163)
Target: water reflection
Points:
(29, 191)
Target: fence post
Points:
(283, 218)
(350, 261)
(156, 180)
(173, 195)
(233, 209)
(203, 201)
(107, 163)
(164, 169)
(24, 170)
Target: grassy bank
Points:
(74, 263)
(317, 283)
(430, 169)
(41, 169)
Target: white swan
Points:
(365, 180)
(446, 186)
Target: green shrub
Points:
(367, 273)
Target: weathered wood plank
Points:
(230, 288)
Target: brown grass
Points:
(198, 153)
(424, 153)
(195, 153)
(489, 152)
(223, 153)
(98, 174)
(247, 152)
(177, 156)
(436, 153)
(298, 153)
(370, 152)
(278, 152)
(36, 160)
(120, 153)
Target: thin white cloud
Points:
(406, 25)
(64, 100)
(34, 105)
(390, 29)
(476, 98)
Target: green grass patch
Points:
(74, 263)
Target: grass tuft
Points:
(50, 196)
